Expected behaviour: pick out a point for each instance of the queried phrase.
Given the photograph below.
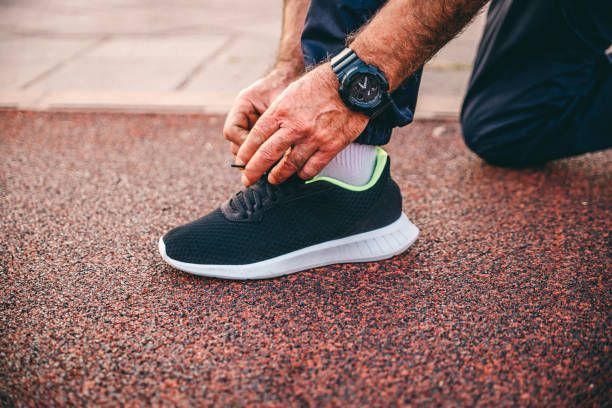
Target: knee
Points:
(498, 145)
(484, 144)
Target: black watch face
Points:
(365, 90)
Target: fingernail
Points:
(238, 162)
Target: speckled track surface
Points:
(504, 299)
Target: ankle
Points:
(353, 165)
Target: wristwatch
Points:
(363, 87)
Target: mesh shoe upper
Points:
(257, 225)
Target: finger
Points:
(238, 122)
(291, 163)
(268, 153)
(261, 131)
(234, 148)
(314, 165)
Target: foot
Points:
(266, 230)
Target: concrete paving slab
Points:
(134, 64)
(137, 17)
(441, 92)
(170, 48)
(26, 58)
(253, 55)
(15, 99)
(461, 51)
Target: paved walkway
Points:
(184, 55)
(504, 299)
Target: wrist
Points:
(282, 75)
(388, 67)
(290, 69)
(326, 77)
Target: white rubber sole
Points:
(369, 246)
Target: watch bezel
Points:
(348, 80)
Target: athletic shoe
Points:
(269, 230)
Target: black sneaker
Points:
(267, 230)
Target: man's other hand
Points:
(304, 128)
(253, 101)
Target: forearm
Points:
(404, 34)
(290, 50)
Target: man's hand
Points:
(253, 101)
(306, 126)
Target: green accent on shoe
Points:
(381, 161)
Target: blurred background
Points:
(159, 55)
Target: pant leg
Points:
(541, 88)
(328, 23)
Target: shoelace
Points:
(251, 199)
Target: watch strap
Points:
(343, 61)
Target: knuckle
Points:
(267, 154)
(270, 122)
(280, 112)
(301, 128)
(286, 138)
(256, 136)
(292, 163)
(259, 138)
(298, 157)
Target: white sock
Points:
(353, 165)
